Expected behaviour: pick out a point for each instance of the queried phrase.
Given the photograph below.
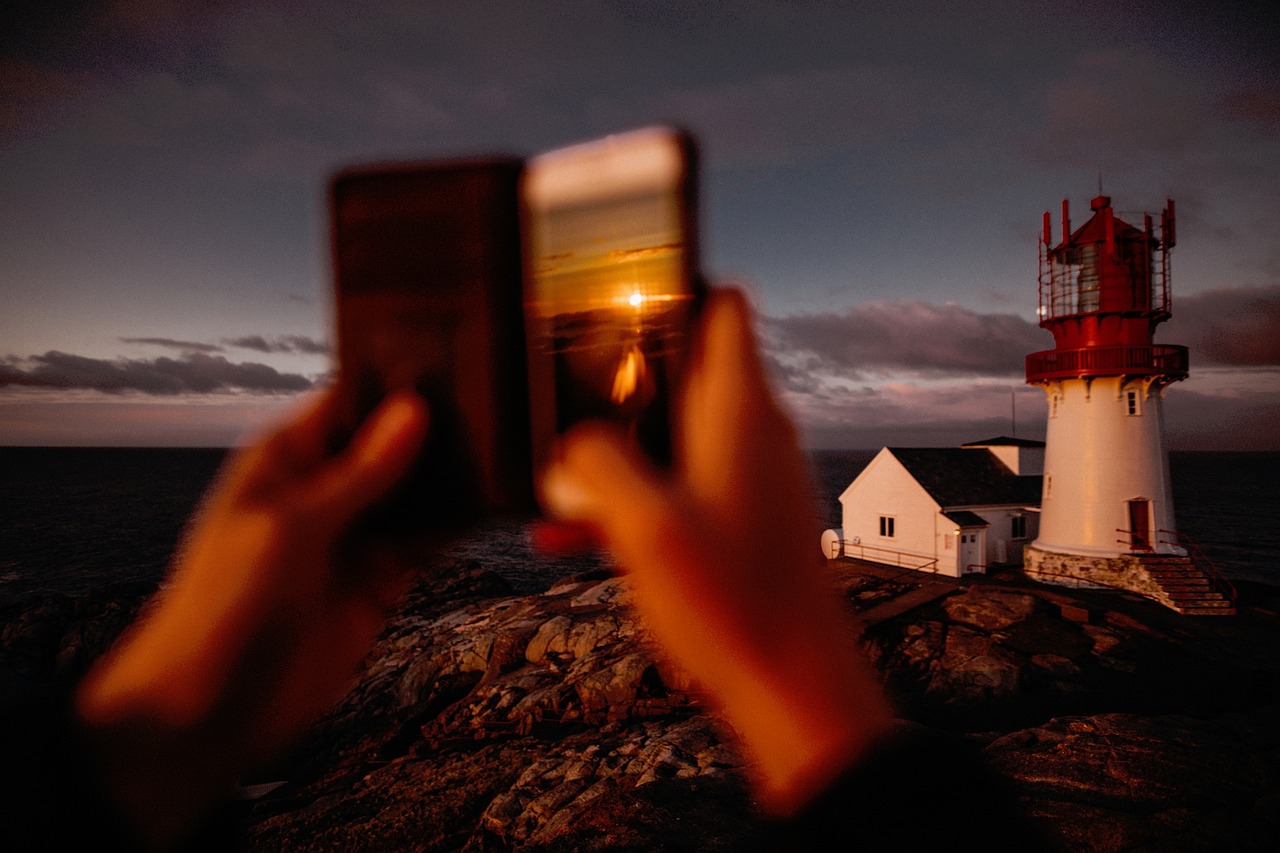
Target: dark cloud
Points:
(790, 118)
(193, 373)
(951, 413)
(185, 346)
(1121, 105)
(913, 372)
(912, 336)
(280, 343)
(1214, 421)
(935, 433)
(1229, 326)
(311, 346)
(1228, 410)
(1256, 105)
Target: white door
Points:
(970, 551)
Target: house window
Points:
(886, 526)
(1131, 403)
(1018, 527)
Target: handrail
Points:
(1142, 360)
(843, 546)
(1135, 538)
(1202, 561)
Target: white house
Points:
(950, 510)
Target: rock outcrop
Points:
(1128, 782)
(511, 722)
(57, 636)
(485, 720)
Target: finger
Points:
(730, 415)
(595, 463)
(294, 447)
(653, 530)
(377, 458)
(304, 443)
(727, 354)
(602, 480)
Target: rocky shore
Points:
(485, 720)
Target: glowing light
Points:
(636, 298)
(631, 372)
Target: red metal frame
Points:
(1069, 292)
(1166, 360)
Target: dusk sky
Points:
(874, 175)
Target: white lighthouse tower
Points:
(1107, 511)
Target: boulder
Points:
(989, 609)
(974, 669)
(1112, 782)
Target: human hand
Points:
(722, 558)
(261, 621)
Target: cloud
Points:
(908, 413)
(1237, 326)
(280, 343)
(1255, 105)
(1225, 410)
(185, 346)
(911, 372)
(1200, 420)
(1116, 107)
(788, 118)
(192, 373)
(32, 96)
(135, 420)
(909, 336)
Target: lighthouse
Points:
(1106, 513)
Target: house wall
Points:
(1000, 530)
(884, 489)
(1023, 461)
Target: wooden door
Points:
(1140, 525)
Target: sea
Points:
(72, 519)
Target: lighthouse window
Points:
(1131, 402)
(886, 526)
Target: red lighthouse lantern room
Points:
(1103, 290)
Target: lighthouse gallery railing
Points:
(1153, 360)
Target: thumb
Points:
(600, 479)
(647, 522)
(376, 459)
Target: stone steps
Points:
(1189, 590)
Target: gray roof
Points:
(1005, 441)
(964, 518)
(958, 476)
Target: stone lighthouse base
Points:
(1171, 579)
